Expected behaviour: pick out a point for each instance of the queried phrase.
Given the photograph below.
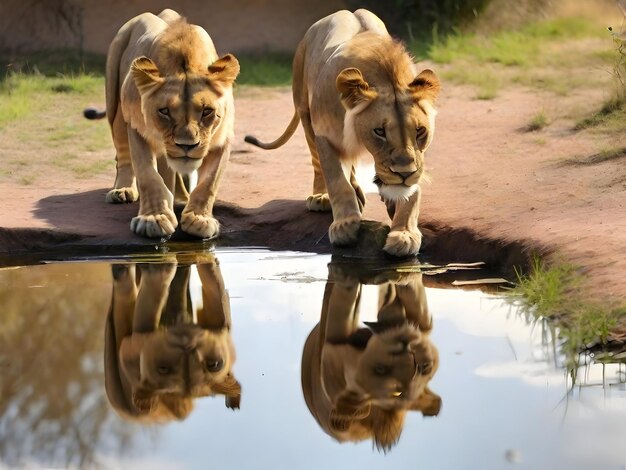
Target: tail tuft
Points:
(252, 140)
(94, 113)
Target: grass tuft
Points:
(538, 122)
(544, 290)
(596, 158)
(613, 108)
(551, 293)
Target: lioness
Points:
(157, 357)
(355, 90)
(359, 382)
(170, 106)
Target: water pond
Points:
(255, 359)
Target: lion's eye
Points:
(379, 131)
(206, 112)
(425, 367)
(382, 370)
(164, 370)
(421, 132)
(164, 112)
(214, 365)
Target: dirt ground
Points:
(490, 182)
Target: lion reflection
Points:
(359, 382)
(158, 355)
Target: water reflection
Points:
(161, 353)
(360, 381)
(51, 405)
(527, 404)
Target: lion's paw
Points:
(344, 231)
(403, 243)
(318, 202)
(202, 226)
(122, 195)
(154, 225)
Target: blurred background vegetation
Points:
(421, 23)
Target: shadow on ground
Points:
(279, 224)
(82, 223)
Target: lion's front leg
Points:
(197, 218)
(156, 216)
(343, 199)
(152, 295)
(215, 313)
(340, 307)
(405, 239)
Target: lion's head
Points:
(359, 383)
(185, 361)
(390, 376)
(182, 107)
(157, 358)
(393, 120)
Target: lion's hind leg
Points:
(125, 187)
(319, 200)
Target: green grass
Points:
(538, 121)
(55, 62)
(551, 293)
(25, 94)
(557, 56)
(44, 132)
(511, 48)
(544, 290)
(265, 70)
(486, 82)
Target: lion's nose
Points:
(187, 147)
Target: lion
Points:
(157, 358)
(358, 382)
(169, 103)
(356, 91)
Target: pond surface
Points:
(255, 359)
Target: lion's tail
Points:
(291, 128)
(94, 113)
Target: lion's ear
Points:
(231, 388)
(429, 403)
(146, 74)
(224, 70)
(353, 88)
(426, 86)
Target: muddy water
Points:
(258, 359)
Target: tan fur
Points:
(157, 359)
(349, 400)
(170, 106)
(351, 78)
